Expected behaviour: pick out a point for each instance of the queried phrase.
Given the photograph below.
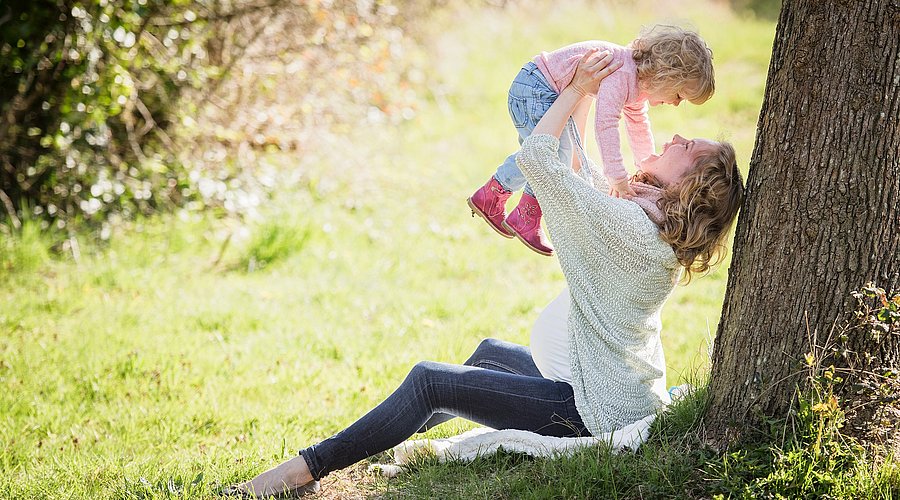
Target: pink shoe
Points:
(525, 223)
(489, 202)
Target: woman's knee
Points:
(423, 371)
(491, 343)
(485, 350)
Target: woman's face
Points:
(676, 159)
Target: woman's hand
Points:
(593, 67)
(591, 70)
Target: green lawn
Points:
(147, 370)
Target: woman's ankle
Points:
(303, 473)
(282, 478)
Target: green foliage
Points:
(812, 459)
(88, 91)
(109, 110)
(877, 313)
(768, 9)
(867, 388)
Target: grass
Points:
(187, 352)
(672, 464)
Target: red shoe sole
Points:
(529, 245)
(477, 211)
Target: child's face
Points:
(676, 160)
(672, 95)
(664, 96)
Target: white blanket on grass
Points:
(485, 441)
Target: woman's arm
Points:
(580, 218)
(580, 117)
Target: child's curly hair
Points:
(700, 208)
(672, 58)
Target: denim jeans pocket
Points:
(573, 418)
(540, 105)
(518, 111)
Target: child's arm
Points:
(580, 116)
(608, 112)
(571, 206)
(637, 124)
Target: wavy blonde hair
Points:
(700, 208)
(675, 59)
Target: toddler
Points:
(664, 65)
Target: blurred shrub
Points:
(110, 109)
(89, 89)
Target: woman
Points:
(621, 259)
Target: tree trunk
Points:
(822, 213)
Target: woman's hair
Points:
(700, 208)
(672, 58)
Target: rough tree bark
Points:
(822, 212)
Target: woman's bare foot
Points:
(289, 477)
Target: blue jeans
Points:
(499, 386)
(530, 96)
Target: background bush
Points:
(113, 109)
(89, 91)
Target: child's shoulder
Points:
(584, 46)
(574, 51)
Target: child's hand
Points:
(620, 188)
(593, 67)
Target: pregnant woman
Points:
(603, 368)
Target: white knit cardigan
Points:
(620, 274)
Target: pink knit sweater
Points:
(619, 94)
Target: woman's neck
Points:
(646, 178)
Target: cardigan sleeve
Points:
(576, 212)
(601, 183)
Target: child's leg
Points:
(530, 96)
(566, 153)
(525, 221)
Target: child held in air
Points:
(664, 65)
